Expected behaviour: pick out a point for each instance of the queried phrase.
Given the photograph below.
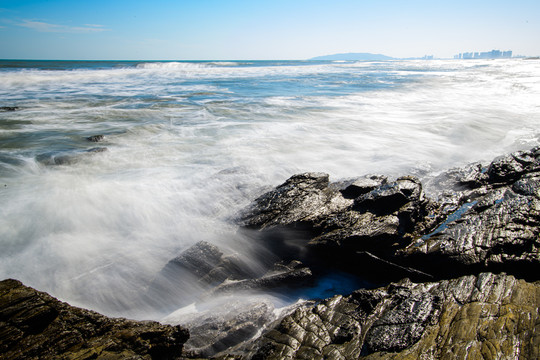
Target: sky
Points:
(263, 30)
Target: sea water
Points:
(188, 144)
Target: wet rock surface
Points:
(490, 225)
(34, 325)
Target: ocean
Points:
(188, 144)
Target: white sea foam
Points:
(189, 145)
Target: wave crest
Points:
(171, 65)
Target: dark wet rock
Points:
(388, 198)
(207, 263)
(493, 227)
(511, 167)
(499, 231)
(198, 259)
(95, 138)
(479, 218)
(376, 221)
(34, 325)
(459, 179)
(9, 108)
(486, 316)
(203, 271)
(307, 206)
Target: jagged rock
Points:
(199, 259)
(495, 227)
(388, 198)
(511, 167)
(459, 179)
(203, 271)
(499, 229)
(34, 325)
(376, 220)
(299, 202)
(207, 264)
(486, 316)
(379, 220)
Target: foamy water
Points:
(188, 144)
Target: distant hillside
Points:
(353, 56)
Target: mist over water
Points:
(188, 144)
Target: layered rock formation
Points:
(473, 317)
(34, 325)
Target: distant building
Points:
(493, 54)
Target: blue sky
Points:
(260, 29)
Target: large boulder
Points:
(477, 218)
(327, 224)
(376, 220)
(34, 325)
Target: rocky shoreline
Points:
(454, 261)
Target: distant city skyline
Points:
(257, 30)
(493, 54)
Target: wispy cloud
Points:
(48, 27)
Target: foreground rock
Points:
(34, 325)
(475, 317)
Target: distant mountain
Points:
(353, 56)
